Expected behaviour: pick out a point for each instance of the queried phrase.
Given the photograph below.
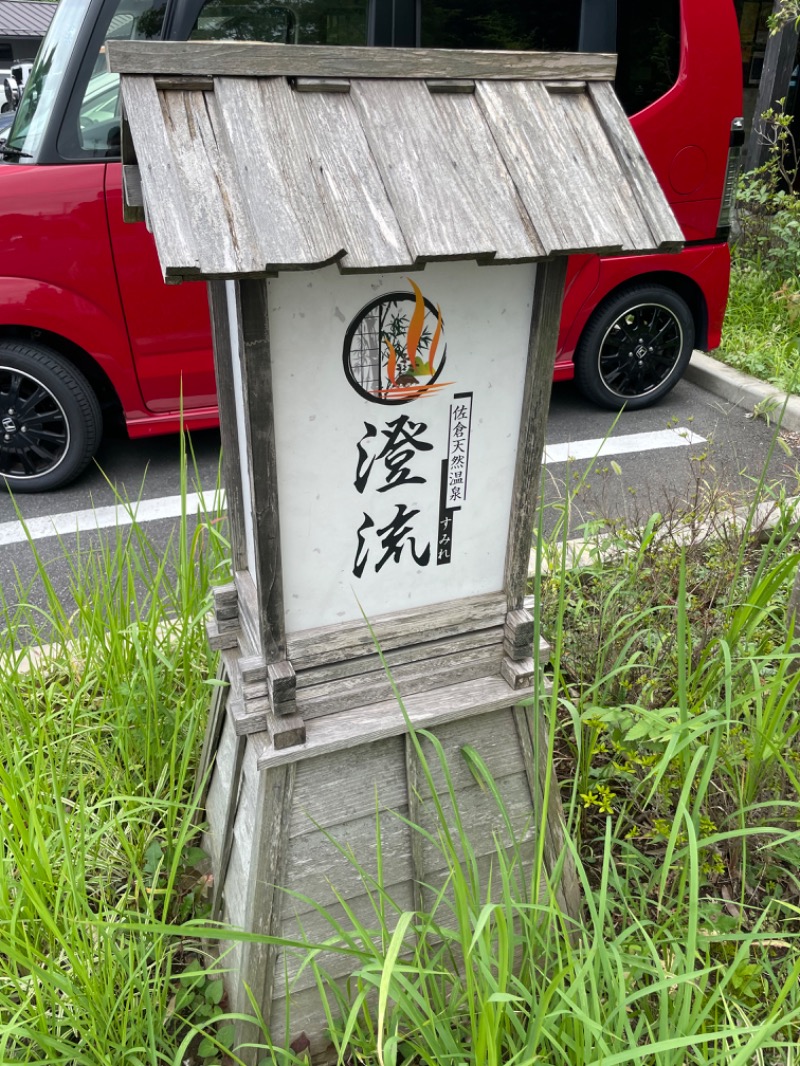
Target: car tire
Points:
(50, 419)
(635, 347)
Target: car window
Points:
(333, 22)
(537, 26)
(648, 36)
(648, 43)
(98, 120)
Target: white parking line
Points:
(103, 517)
(679, 437)
(73, 522)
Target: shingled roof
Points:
(254, 158)
(22, 18)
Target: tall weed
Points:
(101, 710)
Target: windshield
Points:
(45, 78)
(92, 125)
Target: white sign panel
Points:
(397, 407)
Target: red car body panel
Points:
(707, 97)
(83, 275)
(57, 243)
(168, 325)
(704, 267)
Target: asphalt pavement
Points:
(628, 465)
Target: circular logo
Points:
(394, 349)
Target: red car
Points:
(89, 333)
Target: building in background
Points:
(23, 23)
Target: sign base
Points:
(283, 820)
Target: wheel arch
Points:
(685, 287)
(78, 357)
(629, 373)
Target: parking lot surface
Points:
(629, 466)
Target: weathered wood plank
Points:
(214, 727)
(638, 174)
(215, 814)
(557, 194)
(226, 832)
(191, 83)
(385, 719)
(255, 356)
(247, 810)
(545, 318)
(479, 812)
(518, 634)
(347, 785)
(321, 869)
(328, 644)
(223, 766)
(251, 716)
(209, 185)
(518, 673)
(252, 669)
(414, 794)
(160, 176)
(225, 597)
(464, 644)
(339, 966)
(448, 188)
(132, 187)
(305, 1012)
(451, 85)
(286, 732)
(349, 184)
(231, 466)
(251, 59)
(320, 85)
(282, 683)
(234, 893)
(312, 928)
(248, 611)
(488, 735)
(565, 86)
(616, 213)
(264, 125)
(268, 871)
(347, 692)
(324, 798)
(518, 858)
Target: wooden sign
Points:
(397, 408)
(383, 398)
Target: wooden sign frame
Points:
(254, 604)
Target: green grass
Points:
(687, 713)
(98, 827)
(761, 330)
(674, 721)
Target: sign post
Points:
(384, 234)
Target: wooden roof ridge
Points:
(245, 173)
(256, 59)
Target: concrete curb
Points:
(742, 390)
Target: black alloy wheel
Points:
(635, 347)
(50, 420)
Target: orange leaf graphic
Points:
(435, 342)
(416, 324)
(391, 366)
